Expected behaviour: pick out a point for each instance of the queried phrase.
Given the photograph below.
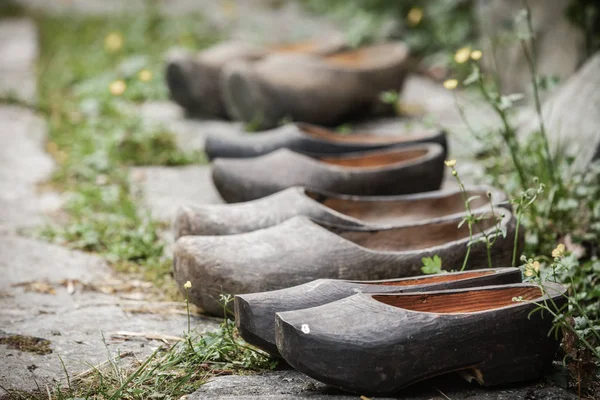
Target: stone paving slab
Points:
(23, 165)
(23, 162)
(165, 189)
(190, 133)
(292, 385)
(18, 52)
(81, 319)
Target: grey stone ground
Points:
(67, 297)
(18, 46)
(72, 299)
(290, 385)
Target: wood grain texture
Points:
(301, 250)
(345, 210)
(365, 345)
(255, 312)
(240, 180)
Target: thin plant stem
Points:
(117, 393)
(507, 135)
(464, 119)
(471, 220)
(582, 311)
(571, 329)
(516, 241)
(187, 306)
(62, 363)
(562, 323)
(468, 247)
(531, 57)
(469, 217)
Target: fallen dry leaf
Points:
(125, 335)
(43, 287)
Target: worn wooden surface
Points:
(413, 169)
(320, 90)
(366, 345)
(255, 312)
(193, 78)
(311, 139)
(347, 210)
(300, 250)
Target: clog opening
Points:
(306, 46)
(378, 159)
(368, 56)
(356, 138)
(462, 302)
(440, 278)
(402, 211)
(418, 236)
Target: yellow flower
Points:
(414, 16)
(187, 285)
(476, 55)
(117, 88)
(532, 268)
(113, 42)
(451, 84)
(559, 251)
(450, 163)
(462, 55)
(145, 75)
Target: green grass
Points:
(94, 135)
(170, 372)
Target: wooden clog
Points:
(377, 344)
(345, 210)
(326, 90)
(193, 78)
(311, 139)
(411, 169)
(255, 312)
(300, 250)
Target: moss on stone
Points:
(28, 344)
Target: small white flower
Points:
(187, 285)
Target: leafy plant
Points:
(432, 265)
(552, 205)
(90, 78)
(429, 27)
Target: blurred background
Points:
(92, 143)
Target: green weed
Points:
(92, 73)
(553, 205)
